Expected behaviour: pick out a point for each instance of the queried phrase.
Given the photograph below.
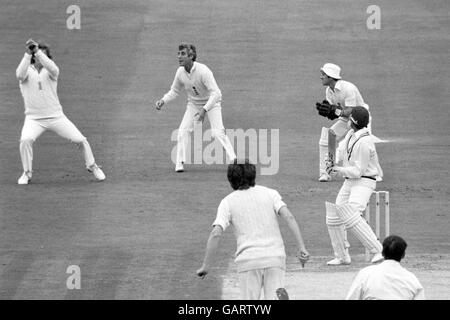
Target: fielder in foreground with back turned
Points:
(387, 280)
(341, 97)
(358, 164)
(253, 211)
(204, 97)
(38, 78)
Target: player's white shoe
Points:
(338, 262)
(378, 257)
(179, 167)
(324, 177)
(97, 172)
(25, 178)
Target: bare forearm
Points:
(211, 249)
(293, 226)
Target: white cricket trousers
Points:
(269, 279)
(33, 128)
(356, 192)
(217, 131)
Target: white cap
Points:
(332, 70)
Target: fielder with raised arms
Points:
(204, 97)
(358, 164)
(38, 77)
(341, 97)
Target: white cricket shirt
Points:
(346, 94)
(359, 156)
(386, 281)
(200, 86)
(253, 213)
(39, 89)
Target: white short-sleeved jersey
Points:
(346, 94)
(253, 213)
(386, 281)
(200, 86)
(39, 89)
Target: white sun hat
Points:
(332, 70)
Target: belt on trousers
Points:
(367, 177)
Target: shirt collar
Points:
(391, 262)
(193, 67)
(360, 132)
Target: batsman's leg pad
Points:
(323, 150)
(353, 221)
(336, 231)
(324, 137)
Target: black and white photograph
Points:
(210, 150)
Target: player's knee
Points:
(358, 206)
(349, 214)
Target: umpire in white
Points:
(358, 164)
(38, 78)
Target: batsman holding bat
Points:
(341, 97)
(38, 78)
(253, 212)
(360, 167)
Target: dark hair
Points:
(45, 48)
(394, 248)
(241, 174)
(360, 117)
(191, 51)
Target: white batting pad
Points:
(336, 231)
(324, 137)
(359, 227)
(331, 214)
(323, 150)
(349, 214)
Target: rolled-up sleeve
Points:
(223, 217)
(278, 202)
